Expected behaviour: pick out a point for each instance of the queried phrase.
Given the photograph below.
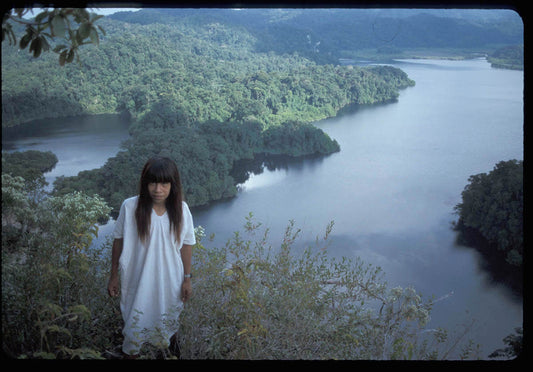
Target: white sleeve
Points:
(118, 232)
(188, 226)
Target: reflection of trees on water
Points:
(499, 271)
(243, 169)
(81, 126)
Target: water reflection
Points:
(244, 170)
(511, 277)
(34, 132)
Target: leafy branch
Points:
(76, 26)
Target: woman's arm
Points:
(186, 257)
(113, 285)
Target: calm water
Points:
(391, 190)
(80, 143)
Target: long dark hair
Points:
(159, 170)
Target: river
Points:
(392, 188)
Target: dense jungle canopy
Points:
(212, 86)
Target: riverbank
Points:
(386, 55)
(389, 55)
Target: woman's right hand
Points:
(113, 286)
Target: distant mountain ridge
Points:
(324, 34)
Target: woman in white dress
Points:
(151, 254)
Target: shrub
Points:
(254, 302)
(54, 303)
(251, 301)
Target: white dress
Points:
(151, 276)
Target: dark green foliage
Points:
(296, 139)
(324, 35)
(53, 297)
(511, 57)
(29, 165)
(514, 346)
(493, 206)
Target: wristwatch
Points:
(187, 276)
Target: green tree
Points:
(51, 304)
(514, 345)
(30, 165)
(493, 205)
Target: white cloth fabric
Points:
(151, 276)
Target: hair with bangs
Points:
(159, 170)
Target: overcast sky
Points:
(108, 11)
(103, 11)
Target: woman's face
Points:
(159, 191)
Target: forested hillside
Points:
(325, 35)
(211, 70)
(209, 86)
(510, 57)
(209, 59)
(197, 92)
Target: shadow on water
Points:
(492, 261)
(244, 168)
(354, 108)
(52, 128)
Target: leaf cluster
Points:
(514, 348)
(41, 32)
